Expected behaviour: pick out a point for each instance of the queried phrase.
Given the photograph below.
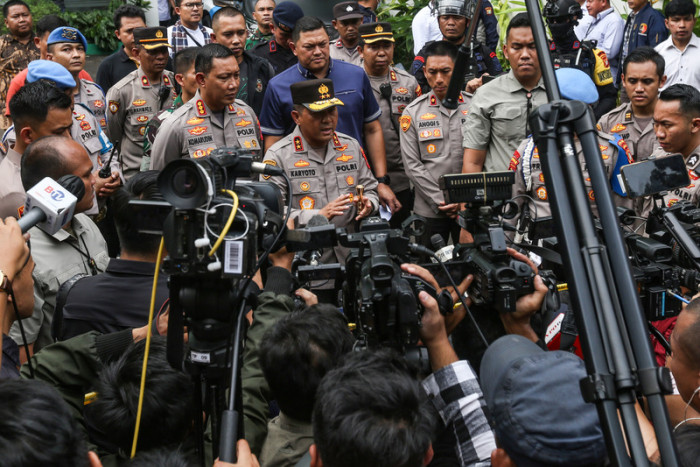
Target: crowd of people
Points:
(357, 135)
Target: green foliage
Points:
(400, 14)
(97, 25)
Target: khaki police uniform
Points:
(340, 52)
(317, 180)
(529, 178)
(497, 120)
(59, 257)
(404, 90)
(93, 97)
(12, 194)
(132, 102)
(431, 146)
(687, 193)
(641, 141)
(194, 131)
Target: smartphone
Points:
(654, 176)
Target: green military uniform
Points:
(497, 120)
(93, 97)
(340, 52)
(404, 89)
(59, 257)
(132, 102)
(152, 130)
(431, 146)
(529, 178)
(14, 57)
(256, 37)
(194, 130)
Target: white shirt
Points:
(196, 33)
(681, 67)
(425, 28)
(607, 29)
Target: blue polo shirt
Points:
(351, 86)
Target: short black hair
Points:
(688, 441)
(225, 12)
(37, 428)
(163, 457)
(184, 59)
(298, 351)
(144, 186)
(32, 102)
(645, 54)
(205, 58)
(43, 159)
(521, 20)
(11, 3)
(166, 416)
(48, 23)
(306, 24)
(127, 11)
(371, 411)
(687, 96)
(680, 8)
(441, 49)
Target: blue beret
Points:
(45, 69)
(576, 85)
(287, 14)
(66, 34)
(213, 10)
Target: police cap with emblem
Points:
(286, 15)
(456, 8)
(151, 38)
(374, 32)
(53, 71)
(66, 34)
(315, 94)
(347, 10)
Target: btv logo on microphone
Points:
(56, 195)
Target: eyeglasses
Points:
(192, 6)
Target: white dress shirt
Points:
(681, 67)
(606, 28)
(425, 28)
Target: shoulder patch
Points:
(433, 100)
(113, 106)
(273, 46)
(269, 162)
(298, 147)
(201, 110)
(144, 81)
(405, 121)
(392, 75)
(618, 128)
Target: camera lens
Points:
(183, 184)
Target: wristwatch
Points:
(5, 283)
(384, 179)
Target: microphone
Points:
(316, 220)
(50, 204)
(265, 169)
(442, 250)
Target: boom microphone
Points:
(50, 204)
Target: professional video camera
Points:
(499, 279)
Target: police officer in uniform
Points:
(325, 167)
(574, 84)
(454, 17)
(140, 95)
(568, 51)
(277, 51)
(67, 46)
(347, 19)
(394, 89)
(213, 117)
(431, 142)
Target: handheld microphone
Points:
(50, 204)
(314, 255)
(442, 250)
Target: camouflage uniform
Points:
(193, 131)
(132, 102)
(14, 57)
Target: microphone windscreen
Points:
(73, 184)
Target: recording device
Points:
(654, 176)
(208, 204)
(50, 205)
(443, 251)
(499, 280)
(106, 170)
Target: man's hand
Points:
(518, 322)
(309, 297)
(364, 208)
(281, 258)
(475, 84)
(244, 456)
(337, 207)
(433, 333)
(388, 198)
(14, 251)
(452, 210)
(105, 187)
